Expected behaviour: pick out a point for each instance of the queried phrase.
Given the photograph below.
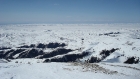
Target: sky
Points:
(69, 11)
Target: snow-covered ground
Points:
(28, 69)
(92, 38)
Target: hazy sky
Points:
(69, 11)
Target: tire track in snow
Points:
(123, 66)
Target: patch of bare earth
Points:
(91, 67)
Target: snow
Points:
(86, 37)
(128, 70)
(3, 61)
(60, 71)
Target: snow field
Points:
(93, 38)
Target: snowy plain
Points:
(86, 37)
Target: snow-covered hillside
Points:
(73, 39)
(111, 46)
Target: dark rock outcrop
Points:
(26, 46)
(113, 34)
(94, 60)
(68, 57)
(56, 52)
(31, 53)
(41, 45)
(1, 54)
(14, 53)
(55, 45)
(10, 53)
(4, 48)
(132, 60)
(6, 54)
(105, 53)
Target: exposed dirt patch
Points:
(93, 68)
